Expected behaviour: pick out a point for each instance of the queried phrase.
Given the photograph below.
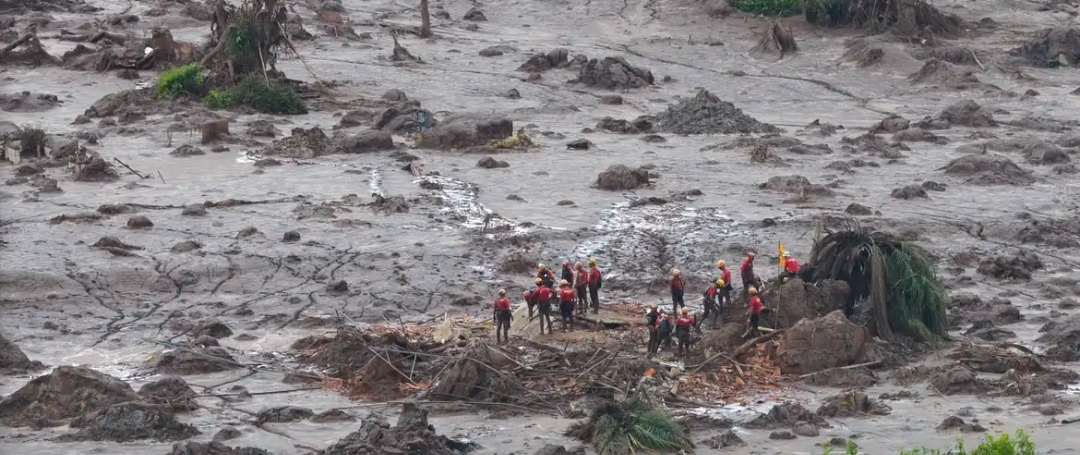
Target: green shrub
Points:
(185, 79)
(1002, 444)
(779, 8)
(254, 93)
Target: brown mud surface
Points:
(276, 284)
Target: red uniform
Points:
(543, 294)
(502, 305)
(726, 276)
(684, 322)
(566, 295)
(582, 277)
(676, 284)
(791, 265)
(755, 305)
(711, 292)
(594, 274)
(746, 264)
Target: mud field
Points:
(964, 144)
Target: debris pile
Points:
(613, 73)
(171, 391)
(302, 144)
(988, 169)
(1055, 47)
(851, 404)
(707, 114)
(412, 434)
(130, 421)
(63, 394)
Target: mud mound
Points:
(707, 114)
(909, 192)
(125, 102)
(796, 184)
(1063, 339)
(366, 142)
(786, 415)
(1055, 47)
(1011, 266)
(408, 118)
(967, 113)
(65, 393)
(213, 448)
(411, 435)
(957, 55)
(24, 102)
(618, 177)
(70, 6)
(171, 391)
(13, 360)
(817, 344)
(94, 168)
(538, 63)
(957, 380)
(891, 124)
(858, 378)
(806, 300)
(944, 74)
(726, 338)
(613, 73)
(302, 144)
(956, 423)
(995, 359)
(852, 404)
(466, 130)
(1040, 152)
(125, 422)
(283, 414)
(988, 169)
(908, 18)
(202, 361)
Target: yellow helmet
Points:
(676, 272)
(752, 290)
(592, 261)
(720, 282)
(720, 264)
(538, 281)
(502, 291)
(564, 283)
(540, 266)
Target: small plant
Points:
(777, 8)
(187, 79)
(633, 426)
(31, 141)
(1002, 444)
(255, 93)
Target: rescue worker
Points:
(746, 272)
(546, 275)
(544, 295)
(581, 288)
(531, 298)
(567, 273)
(791, 266)
(724, 295)
(663, 333)
(677, 291)
(755, 307)
(682, 331)
(595, 279)
(503, 316)
(652, 322)
(566, 305)
(710, 295)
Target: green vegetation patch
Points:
(256, 94)
(183, 80)
(777, 8)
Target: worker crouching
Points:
(791, 266)
(503, 317)
(566, 305)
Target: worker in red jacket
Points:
(544, 273)
(791, 266)
(595, 279)
(544, 295)
(566, 305)
(677, 290)
(652, 322)
(581, 288)
(503, 316)
(723, 297)
(532, 298)
(755, 307)
(710, 295)
(682, 331)
(746, 272)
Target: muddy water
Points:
(438, 244)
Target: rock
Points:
(461, 131)
(214, 328)
(858, 209)
(891, 124)
(132, 421)
(611, 99)
(1063, 339)
(817, 344)
(619, 177)
(564, 203)
(850, 378)
(214, 130)
(194, 210)
(249, 231)
(186, 246)
(653, 139)
(1053, 47)
(283, 414)
(786, 415)
(366, 142)
(332, 416)
(63, 394)
(261, 128)
(213, 448)
(475, 15)
(301, 144)
(513, 94)
(957, 380)
(723, 440)
(852, 404)
(495, 51)
(1011, 266)
(204, 341)
(795, 184)
(226, 434)
(171, 391)
(956, 423)
(113, 242)
(707, 114)
(199, 361)
(337, 287)
(579, 144)
(807, 430)
(412, 434)
(931, 185)
(185, 151)
(13, 360)
(613, 73)
(291, 236)
(139, 222)
(909, 192)
(28, 169)
(967, 113)
(988, 169)
(918, 135)
(1040, 152)
(617, 126)
(781, 435)
(488, 162)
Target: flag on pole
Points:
(780, 249)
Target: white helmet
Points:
(787, 254)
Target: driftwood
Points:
(849, 367)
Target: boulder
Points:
(130, 421)
(786, 415)
(283, 414)
(1019, 265)
(488, 162)
(13, 360)
(803, 300)
(412, 434)
(613, 73)
(967, 113)
(366, 142)
(63, 394)
(957, 380)
(618, 177)
(852, 404)
(209, 360)
(213, 448)
(171, 391)
(460, 131)
(817, 344)
(1063, 339)
(795, 184)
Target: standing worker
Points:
(532, 298)
(566, 305)
(595, 279)
(546, 275)
(503, 316)
(724, 294)
(710, 295)
(581, 288)
(663, 333)
(791, 266)
(567, 273)
(682, 331)
(677, 291)
(746, 272)
(755, 313)
(652, 322)
(543, 301)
